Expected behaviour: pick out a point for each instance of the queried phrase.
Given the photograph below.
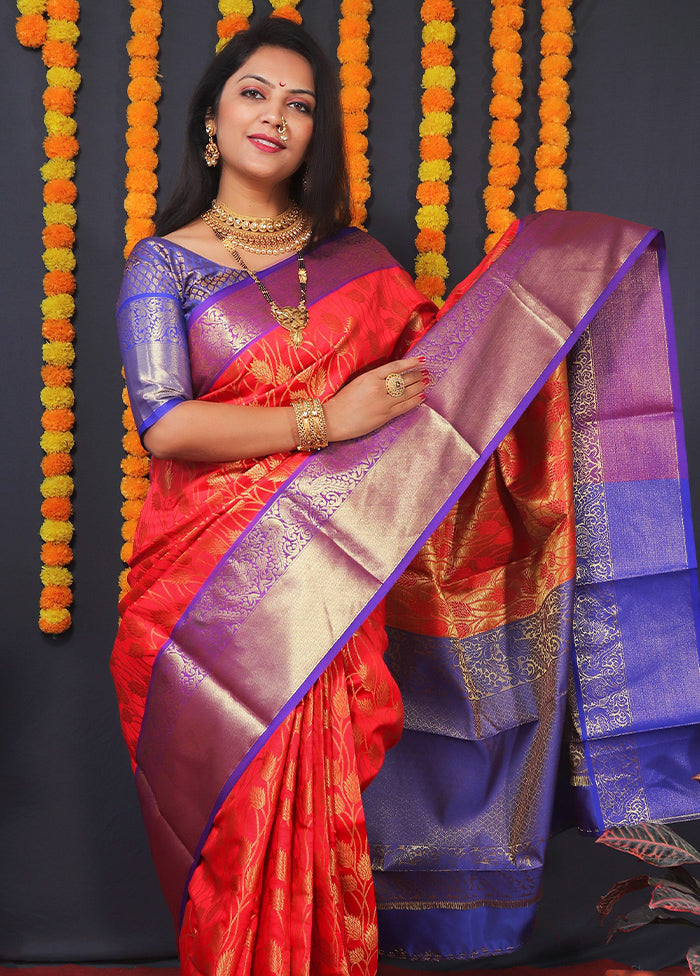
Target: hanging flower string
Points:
(52, 25)
(355, 78)
(550, 157)
(504, 156)
(286, 9)
(434, 170)
(140, 206)
(234, 18)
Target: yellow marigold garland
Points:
(140, 206)
(53, 26)
(286, 9)
(504, 156)
(434, 170)
(234, 18)
(550, 157)
(355, 77)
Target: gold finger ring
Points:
(395, 384)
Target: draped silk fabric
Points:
(248, 664)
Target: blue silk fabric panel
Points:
(635, 621)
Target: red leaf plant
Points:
(674, 891)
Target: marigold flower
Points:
(436, 124)
(356, 8)
(432, 217)
(62, 30)
(242, 7)
(498, 197)
(437, 10)
(59, 259)
(439, 76)
(350, 27)
(58, 282)
(57, 420)
(504, 107)
(435, 147)
(61, 145)
(435, 53)
(57, 236)
(356, 122)
(57, 397)
(504, 175)
(60, 509)
(436, 99)
(57, 54)
(141, 114)
(56, 554)
(55, 596)
(132, 444)
(505, 39)
(143, 67)
(141, 182)
(60, 77)
(143, 90)
(141, 137)
(63, 9)
(31, 6)
(431, 264)
(58, 353)
(31, 30)
(438, 30)
(57, 486)
(59, 100)
(353, 49)
(507, 15)
(135, 467)
(60, 191)
(431, 285)
(53, 465)
(138, 158)
(432, 170)
(548, 155)
(58, 306)
(430, 240)
(54, 621)
(134, 487)
(131, 509)
(506, 84)
(504, 130)
(58, 441)
(499, 220)
(434, 193)
(58, 330)
(53, 530)
(139, 204)
(56, 376)
(354, 99)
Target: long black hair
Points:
(320, 185)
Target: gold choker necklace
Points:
(289, 231)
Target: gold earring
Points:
(282, 129)
(211, 150)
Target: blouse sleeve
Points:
(152, 335)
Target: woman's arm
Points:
(196, 430)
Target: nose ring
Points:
(282, 129)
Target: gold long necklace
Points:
(288, 231)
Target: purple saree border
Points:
(434, 522)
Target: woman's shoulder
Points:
(361, 248)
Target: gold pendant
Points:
(294, 320)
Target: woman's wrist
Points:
(312, 433)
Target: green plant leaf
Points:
(674, 898)
(619, 889)
(693, 959)
(637, 919)
(651, 842)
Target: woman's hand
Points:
(364, 404)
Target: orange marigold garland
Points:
(550, 157)
(52, 25)
(140, 206)
(286, 9)
(504, 156)
(435, 128)
(234, 18)
(355, 77)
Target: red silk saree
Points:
(254, 698)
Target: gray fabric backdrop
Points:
(76, 882)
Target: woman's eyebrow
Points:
(293, 91)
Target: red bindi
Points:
(283, 84)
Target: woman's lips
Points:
(265, 143)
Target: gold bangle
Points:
(311, 424)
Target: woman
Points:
(254, 698)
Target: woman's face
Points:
(272, 85)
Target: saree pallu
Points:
(232, 639)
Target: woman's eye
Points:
(301, 107)
(251, 93)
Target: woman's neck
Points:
(253, 200)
